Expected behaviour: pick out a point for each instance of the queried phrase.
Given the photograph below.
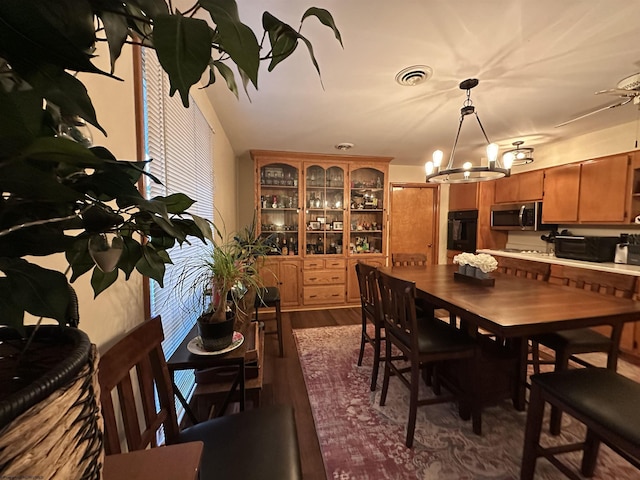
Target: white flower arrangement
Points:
(483, 261)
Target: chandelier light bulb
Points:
(507, 160)
(437, 158)
(466, 174)
(492, 152)
(467, 165)
(428, 168)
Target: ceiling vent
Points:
(415, 75)
(344, 146)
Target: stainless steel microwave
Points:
(517, 216)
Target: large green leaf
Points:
(131, 254)
(29, 39)
(79, 258)
(325, 18)
(61, 150)
(20, 121)
(226, 73)
(176, 202)
(234, 37)
(151, 265)
(12, 313)
(116, 29)
(100, 281)
(183, 46)
(33, 183)
(37, 290)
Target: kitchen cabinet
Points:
(603, 190)
(520, 187)
(595, 191)
(323, 213)
(463, 196)
(561, 194)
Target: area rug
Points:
(361, 440)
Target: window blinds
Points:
(179, 141)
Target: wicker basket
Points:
(56, 428)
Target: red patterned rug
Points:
(361, 440)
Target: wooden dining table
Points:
(516, 308)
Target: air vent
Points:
(344, 146)
(415, 75)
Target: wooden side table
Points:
(160, 463)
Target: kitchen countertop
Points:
(541, 257)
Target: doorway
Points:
(413, 220)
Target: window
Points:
(179, 141)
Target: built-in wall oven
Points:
(462, 226)
(517, 216)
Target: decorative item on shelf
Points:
(519, 155)
(467, 172)
(475, 268)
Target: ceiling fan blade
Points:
(620, 91)
(619, 104)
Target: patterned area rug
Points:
(361, 440)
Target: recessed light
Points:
(344, 146)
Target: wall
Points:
(121, 307)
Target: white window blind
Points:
(179, 141)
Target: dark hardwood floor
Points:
(284, 383)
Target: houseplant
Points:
(226, 279)
(64, 196)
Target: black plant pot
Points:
(217, 335)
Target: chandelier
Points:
(468, 172)
(519, 155)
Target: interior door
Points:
(413, 220)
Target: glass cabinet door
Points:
(366, 211)
(324, 209)
(279, 207)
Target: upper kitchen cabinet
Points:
(521, 187)
(603, 190)
(463, 196)
(561, 194)
(591, 192)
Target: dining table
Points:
(514, 308)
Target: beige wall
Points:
(121, 307)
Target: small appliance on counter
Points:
(588, 249)
(622, 249)
(633, 253)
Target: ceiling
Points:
(539, 64)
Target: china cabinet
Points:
(323, 213)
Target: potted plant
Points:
(226, 278)
(62, 195)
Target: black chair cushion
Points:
(268, 297)
(601, 394)
(580, 337)
(436, 336)
(257, 444)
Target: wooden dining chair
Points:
(409, 259)
(254, 444)
(566, 344)
(422, 341)
(524, 268)
(371, 314)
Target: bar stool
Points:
(270, 297)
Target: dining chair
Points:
(566, 344)
(138, 403)
(422, 341)
(408, 259)
(371, 308)
(601, 399)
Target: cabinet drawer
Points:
(324, 294)
(335, 263)
(314, 264)
(324, 277)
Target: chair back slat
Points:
(398, 305)
(369, 292)
(524, 268)
(409, 260)
(136, 369)
(605, 283)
